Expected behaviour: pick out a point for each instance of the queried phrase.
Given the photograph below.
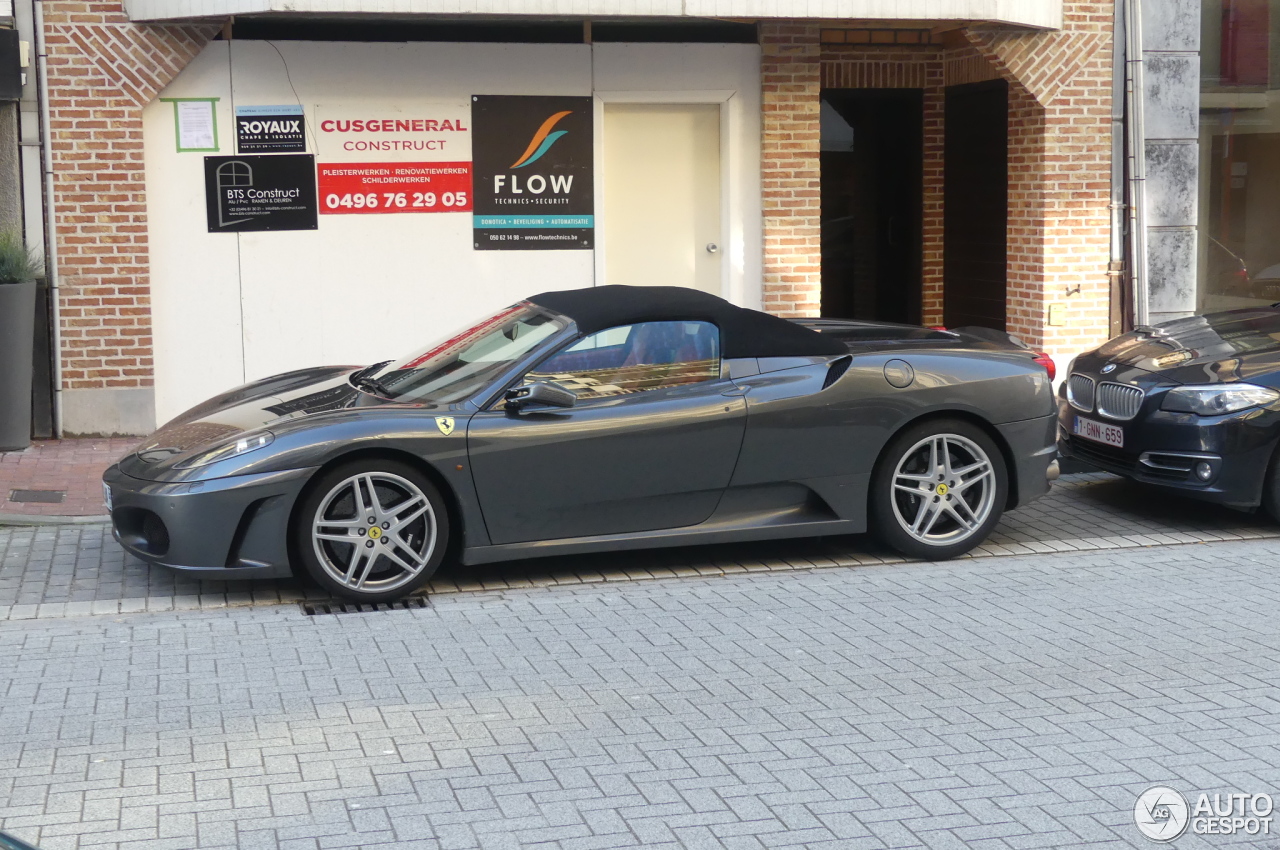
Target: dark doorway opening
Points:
(872, 203)
(976, 204)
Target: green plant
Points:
(17, 261)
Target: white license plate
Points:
(106, 497)
(1099, 432)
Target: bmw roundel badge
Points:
(1108, 369)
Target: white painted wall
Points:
(229, 308)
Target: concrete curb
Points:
(32, 519)
(271, 594)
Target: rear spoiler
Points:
(991, 335)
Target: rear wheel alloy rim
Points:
(374, 532)
(944, 489)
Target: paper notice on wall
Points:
(197, 125)
(412, 158)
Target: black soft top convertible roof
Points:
(743, 332)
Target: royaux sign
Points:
(532, 158)
(270, 129)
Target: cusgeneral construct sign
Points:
(384, 159)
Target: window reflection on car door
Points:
(650, 444)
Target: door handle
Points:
(736, 392)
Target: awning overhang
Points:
(1035, 14)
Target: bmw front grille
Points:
(1080, 392)
(1119, 401)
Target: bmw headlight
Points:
(234, 448)
(1216, 399)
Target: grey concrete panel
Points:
(129, 411)
(1171, 183)
(10, 174)
(1173, 96)
(1171, 271)
(1171, 25)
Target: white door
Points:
(662, 195)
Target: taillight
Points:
(936, 328)
(1047, 362)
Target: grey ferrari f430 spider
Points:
(591, 420)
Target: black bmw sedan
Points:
(1192, 404)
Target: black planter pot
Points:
(17, 329)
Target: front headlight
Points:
(1216, 399)
(235, 448)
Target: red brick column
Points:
(955, 67)
(932, 222)
(790, 145)
(1059, 174)
(915, 68)
(102, 71)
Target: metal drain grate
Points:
(335, 606)
(52, 497)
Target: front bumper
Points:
(224, 528)
(1162, 447)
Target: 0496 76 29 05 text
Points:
(402, 187)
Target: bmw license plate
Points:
(106, 497)
(1099, 432)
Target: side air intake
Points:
(837, 368)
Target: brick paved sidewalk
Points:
(70, 469)
(1014, 702)
(73, 571)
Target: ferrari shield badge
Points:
(445, 424)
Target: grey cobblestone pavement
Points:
(77, 570)
(1011, 702)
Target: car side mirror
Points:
(540, 392)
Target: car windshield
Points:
(460, 366)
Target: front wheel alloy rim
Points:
(944, 489)
(374, 532)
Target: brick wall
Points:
(917, 68)
(102, 71)
(1060, 171)
(852, 66)
(790, 85)
(1059, 162)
